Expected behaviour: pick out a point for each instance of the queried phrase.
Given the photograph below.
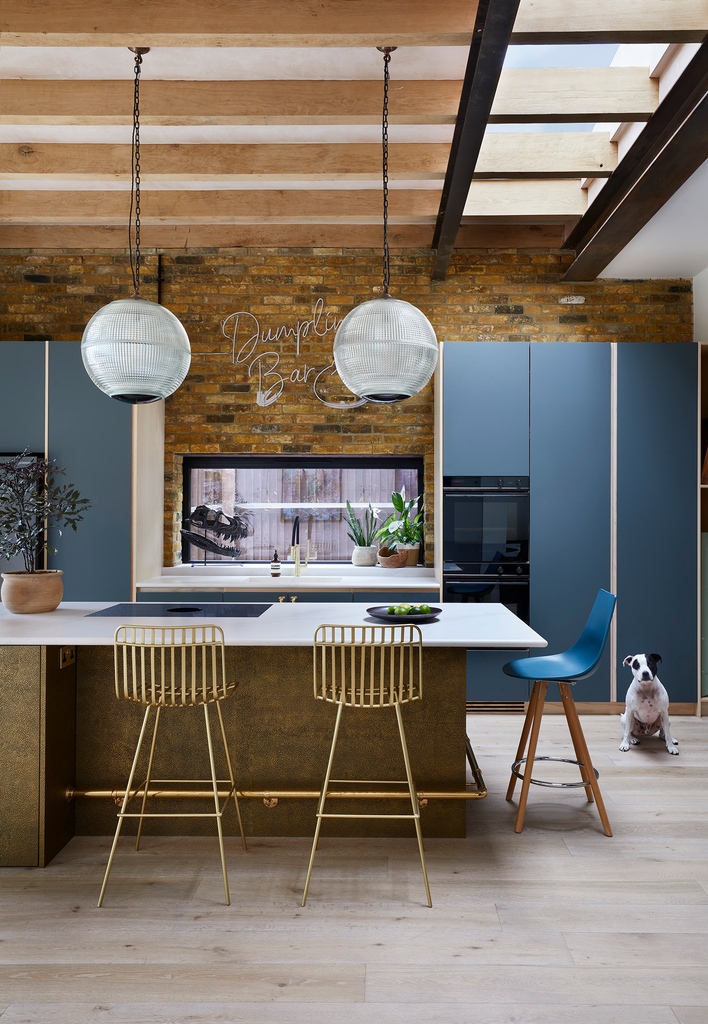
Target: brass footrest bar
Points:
(273, 794)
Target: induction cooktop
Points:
(187, 609)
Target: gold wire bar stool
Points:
(173, 667)
(368, 667)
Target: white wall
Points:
(700, 306)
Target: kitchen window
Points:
(243, 508)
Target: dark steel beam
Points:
(490, 38)
(687, 92)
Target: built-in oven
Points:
(485, 540)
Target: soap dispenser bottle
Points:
(275, 565)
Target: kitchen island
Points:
(68, 742)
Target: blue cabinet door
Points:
(657, 538)
(486, 409)
(570, 494)
(21, 396)
(90, 435)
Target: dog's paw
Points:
(672, 750)
(624, 746)
(633, 741)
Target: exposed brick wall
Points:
(488, 296)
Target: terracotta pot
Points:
(392, 559)
(364, 555)
(411, 551)
(27, 592)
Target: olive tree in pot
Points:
(33, 500)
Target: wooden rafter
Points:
(269, 23)
(184, 236)
(517, 200)
(551, 155)
(492, 29)
(523, 95)
(670, 148)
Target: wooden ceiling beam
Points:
(547, 155)
(553, 22)
(227, 103)
(522, 201)
(274, 23)
(523, 95)
(669, 149)
(492, 29)
(189, 236)
(527, 95)
(268, 23)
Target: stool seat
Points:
(565, 669)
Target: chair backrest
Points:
(368, 666)
(591, 643)
(170, 666)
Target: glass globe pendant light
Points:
(133, 349)
(385, 350)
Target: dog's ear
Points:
(655, 657)
(628, 659)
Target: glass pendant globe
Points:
(385, 350)
(135, 350)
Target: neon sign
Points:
(249, 348)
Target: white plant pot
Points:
(364, 556)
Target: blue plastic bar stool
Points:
(565, 669)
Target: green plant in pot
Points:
(363, 535)
(33, 502)
(402, 533)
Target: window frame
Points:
(273, 461)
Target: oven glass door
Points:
(514, 595)
(486, 527)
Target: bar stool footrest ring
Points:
(553, 785)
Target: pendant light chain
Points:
(384, 140)
(135, 178)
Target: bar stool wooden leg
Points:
(147, 778)
(216, 805)
(415, 807)
(126, 798)
(528, 765)
(524, 736)
(584, 774)
(231, 775)
(579, 738)
(321, 803)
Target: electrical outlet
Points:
(67, 656)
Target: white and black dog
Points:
(647, 707)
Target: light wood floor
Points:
(558, 925)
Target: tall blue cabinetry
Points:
(570, 494)
(90, 435)
(563, 420)
(657, 555)
(486, 433)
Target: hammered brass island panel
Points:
(20, 710)
(279, 737)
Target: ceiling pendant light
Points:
(385, 350)
(133, 349)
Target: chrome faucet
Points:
(295, 545)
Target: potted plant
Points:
(402, 532)
(363, 535)
(32, 502)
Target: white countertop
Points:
(287, 625)
(331, 577)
